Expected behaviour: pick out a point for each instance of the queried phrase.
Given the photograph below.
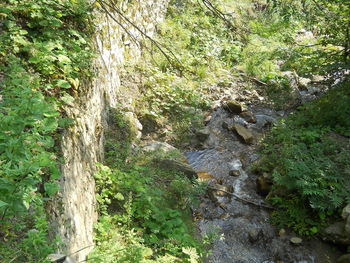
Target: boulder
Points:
(336, 234)
(347, 225)
(248, 116)
(233, 106)
(172, 164)
(134, 125)
(346, 212)
(244, 133)
(155, 146)
(203, 134)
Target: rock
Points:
(282, 232)
(159, 147)
(60, 258)
(207, 120)
(202, 135)
(171, 164)
(244, 133)
(344, 259)
(303, 83)
(347, 225)
(317, 78)
(264, 184)
(221, 190)
(205, 176)
(233, 106)
(335, 233)
(150, 123)
(296, 240)
(134, 125)
(57, 258)
(346, 212)
(248, 116)
(235, 172)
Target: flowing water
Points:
(241, 219)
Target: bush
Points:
(308, 156)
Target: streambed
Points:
(232, 208)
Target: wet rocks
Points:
(336, 233)
(244, 133)
(248, 116)
(233, 106)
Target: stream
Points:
(233, 210)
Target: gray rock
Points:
(344, 259)
(244, 133)
(135, 126)
(347, 225)
(207, 119)
(346, 212)
(303, 83)
(159, 147)
(203, 134)
(248, 116)
(57, 258)
(60, 258)
(335, 233)
(317, 78)
(171, 164)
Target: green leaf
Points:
(2, 204)
(63, 84)
(51, 188)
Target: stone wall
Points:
(74, 211)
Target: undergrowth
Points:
(44, 50)
(308, 157)
(144, 209)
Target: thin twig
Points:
(243, 199)
(160, 46)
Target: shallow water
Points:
(244, 232)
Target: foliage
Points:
(177, 92)
(308, 155)
(43, 52)
(144, 220)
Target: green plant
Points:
(308, 157)
(44, 50)
(147, 211)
